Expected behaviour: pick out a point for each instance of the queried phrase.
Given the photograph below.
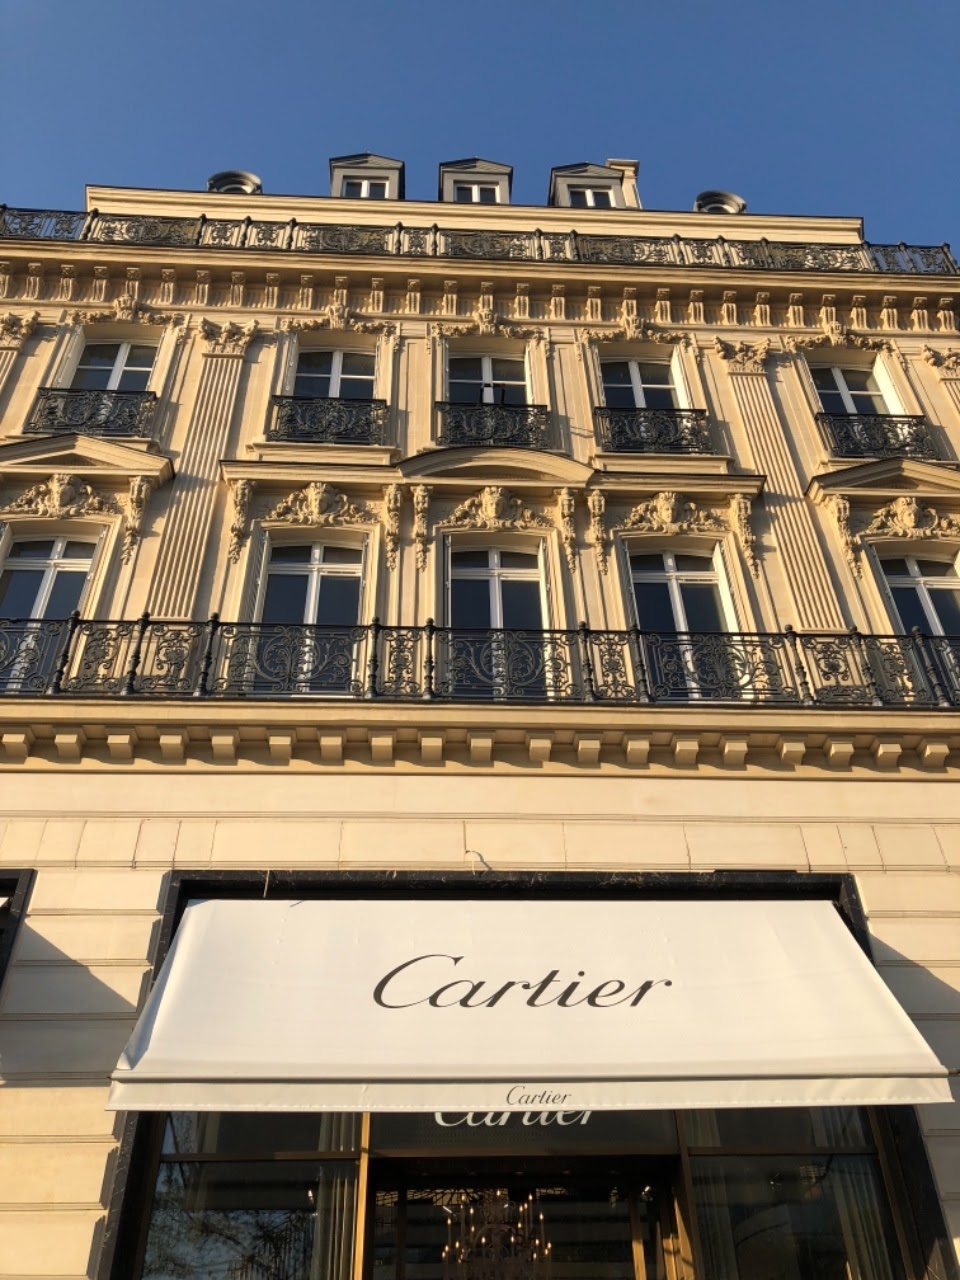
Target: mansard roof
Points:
(475, 165)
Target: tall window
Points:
(475, 193)
(486, 380)
(364, 189)
(344, 375)
(677, 591)
(845, 391)
(44, 577)
(638, 384)
(114, 366)
(315, 583)
(495, 587)
(926, 594)
(590, 198)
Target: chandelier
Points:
(493, 1237)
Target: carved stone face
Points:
(668, 507)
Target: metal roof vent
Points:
(719, 202)
(235, 182)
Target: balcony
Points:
(93, 413)
(652, 430)
(507, 426)
(328, 420)
(153, 659)
(878, 435)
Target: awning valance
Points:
(470, 1005)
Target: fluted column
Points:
(186, 533)
(798, 547)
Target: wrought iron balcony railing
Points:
(653, 430)
(512, 426)
(436, 242)
(59, 411)
(878, 435)
(328, 420)
(150, 658)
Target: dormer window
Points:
(364, 189)
(475, 181)
(366, 177)
(475, 193)
(587, 186)
(590, 198)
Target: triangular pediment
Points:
(83, 455)
(474, 164)
(485, 464)
(874, 480)
(365, 160)
(586, 169)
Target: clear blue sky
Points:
(814, 106)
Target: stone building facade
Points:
(357, 536)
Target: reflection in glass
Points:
(779, 1128)
(247, 1132)
(252, 1221)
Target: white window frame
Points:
(640, 400)
(839, 378)
(486, 374)
(314, 569)
(336, 369)
(51, 565)
(474, 189)
(919, 583)
(674, 578)
(494, 574)
(364, 188)
(590, 193)
(120, 364)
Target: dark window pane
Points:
(864, 403)
(18, 592)
(356, 389)
(659, 398)
(470, 558)
(519, 560)
(31, 549)
(91, 379)
(654, 373)
(832, 402)
(134, 380)
(141, 357)
(702, 605)
(357, 364)
(521, 605)
(601, 199)
(286, 598)
(647, 562)
(470, 603)
(463, 195)
(823, 379)
(687, 562)
(315, 362)
(342, 555)
(286, 553)
(616, 373)
(822, 1219)
(466, 369)
(619, 397)
(935, 568)
(910, 609)
(859, 380)
(780, 1128)
(100, 355)
(654, 610)
(488, 195)
(510, 393)
(578, 198)
(947, 606)
(252, 1132)
(895, 568)
(465, 393)
(352, 188)
(65, 594)
(78, 551)
(507, 370)
(311, 386)
(378, 191)
(338, 603)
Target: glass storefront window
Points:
(780, 1128)
(230, 1133)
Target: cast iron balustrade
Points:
(248, 661)
(59, 411)
(878, 435)
(328, 420)
(511, 426)
(530, 244)
(653, 430)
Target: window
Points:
(114, 366)
(590, 198)
(476, 193)
(44, 577)
(926, 594)
(638, 384)
(845, 391)
(364, 189)
(493, 587)
(677, 591)
(307, 638)
(486, 380)
(344, 375)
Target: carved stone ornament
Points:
(337, 316)
(127, 309)
(320, 504)
(241, 491)
(841, 513)
(671, 513)
(14, 328)
(740, 523)
(230, 339)
(392, 507)
(904, 517)
(421, 523)
(833, 334)
(495, 508)
(947, 364)
(62, 495)
(566, 513)
(597, 506)
(743, 357)
(137, 496)
(487, 323)
(631, 329)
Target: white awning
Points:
(394, 1005)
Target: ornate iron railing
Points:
(328, 420)
(151, 658)
(512, 426)
(437, 242)
(653, 430)
(878, 435)
(93, 413)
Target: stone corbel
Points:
(566, 522)
(743, 357)
(740, 523)
(421, 523)
(15, 329)
(230, 339)
(241, 491)
(138, 495)
(947, 364)
(597, 506)
(392, 508)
